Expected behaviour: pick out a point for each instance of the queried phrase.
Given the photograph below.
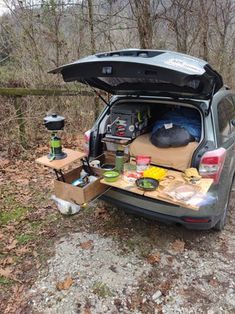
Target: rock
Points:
(156, 295)
(231, 300)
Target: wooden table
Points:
(58, 165)
(121, 184)
(159, 194)
(72, 156)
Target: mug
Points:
(95, 163)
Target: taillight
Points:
(212, 163)
(87, 141)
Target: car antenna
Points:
(98, 94)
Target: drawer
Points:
(79, 195)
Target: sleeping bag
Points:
(175, 136)
(177, 128)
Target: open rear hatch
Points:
(145, 72)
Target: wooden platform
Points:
(120, 141)
(121, 184)
(72, 156)
(172, 176)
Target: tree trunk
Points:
(91, 25)
(93, 49)
(142, 12)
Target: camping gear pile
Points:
(129, 167)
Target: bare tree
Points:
(224, 21)
(141, 10)
(180, 17)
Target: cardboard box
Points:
(78, 195)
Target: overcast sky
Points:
(2, 7)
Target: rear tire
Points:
(219, 226)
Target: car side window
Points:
(226, 113)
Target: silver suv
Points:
(164, 78)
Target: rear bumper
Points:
(163, 211)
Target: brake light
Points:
(87, 142)
(212, 163)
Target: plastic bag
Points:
(65, 207)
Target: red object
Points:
(142, 159)
(142, 163)
(211, 164)
(86, 142)
(196, 220)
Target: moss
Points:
(15, 214)
(101, 289)
(35, 225)
(5, 281)
(19, 92)
(9, 199)
(24, 238)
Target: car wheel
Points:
(219, 226)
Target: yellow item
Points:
(192, 173)
(155, 173)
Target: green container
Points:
(119, 160)
(111, 176)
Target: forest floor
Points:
(103, 260)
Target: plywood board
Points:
(202, 187)
(172, 176)
(121, 184)
(72, 156)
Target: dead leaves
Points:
(154, 258)
(1, 236)
(178, 246)
(11, 246)
(22, 250)
(87, 245)
(17, 302)
(7, 261)
(6, 272)
(23, 181)
(4, 163)
(101, 212)
(64, 285)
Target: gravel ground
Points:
(100, 273)
(113, 273)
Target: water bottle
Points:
(119, 160)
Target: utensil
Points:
(107, 167)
